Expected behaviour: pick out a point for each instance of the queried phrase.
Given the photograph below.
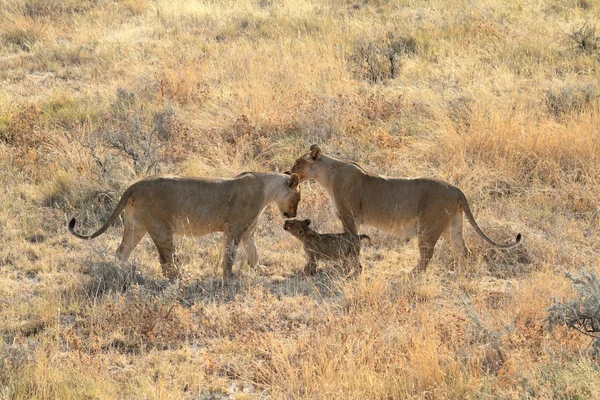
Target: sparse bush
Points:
(459, 112)
(585, 39)
(21, 38)
(582, 313)
(51, 8)
(380, 59)
(125, 134)
(571, 99)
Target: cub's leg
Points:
(311, 266)
(134, 232)
(230, 243)
(352, 265)
(352, 258)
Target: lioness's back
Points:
(179, 201)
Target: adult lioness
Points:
(164, 206)
(422, 207)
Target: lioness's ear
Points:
(307, 221)
(293, 180)
(315, 153)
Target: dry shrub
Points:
(135, 7)
(14, 359)
(525, 150)
(581, 314)
(112, 277)
(139, 319)
(585, 39)
(258, 312)
(67, 192)
(22, 128)
(21, 38)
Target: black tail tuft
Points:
(72, 224)
(518, 238)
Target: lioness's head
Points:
(288, 201)
(296, 227)
(304, 165)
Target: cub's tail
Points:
(361, 237)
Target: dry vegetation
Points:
(498, 97)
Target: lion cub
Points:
(343, 247)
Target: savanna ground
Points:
(498, 97)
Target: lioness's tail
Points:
(469, 214)
(108, 223)
(361, 237)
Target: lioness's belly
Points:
(197, 225)
(404, 230)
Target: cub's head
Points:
(288, 200)
(297, 227)
(304, 165)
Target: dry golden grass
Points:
(498, 97)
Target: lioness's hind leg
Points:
(453, 235)
(428, 235)
(134, 232)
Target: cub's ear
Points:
(293, 180)
(315, 153)
(288, 172)
(307, 221)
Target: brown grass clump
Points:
(499, 98)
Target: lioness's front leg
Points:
(163, 239)
(230, 244)
(349, 222)
(250, 248)
(167, 263)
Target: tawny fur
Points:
(343, 247)
(422, 207)
(164, 206)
